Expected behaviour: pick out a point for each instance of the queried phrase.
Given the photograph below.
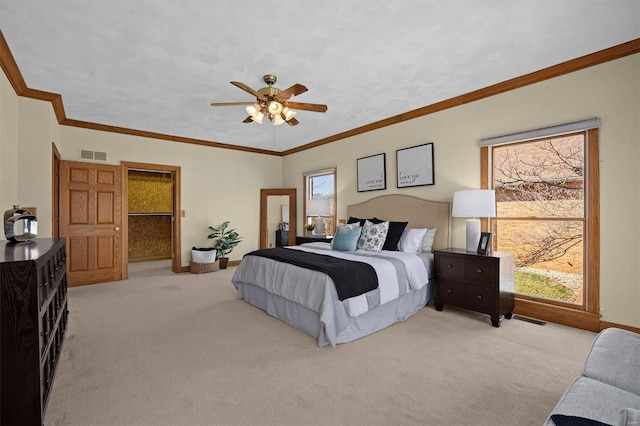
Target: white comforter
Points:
(392, 282)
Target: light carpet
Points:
(181, 349)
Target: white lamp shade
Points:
(275, 108)
(289, 114)
(474, 203)
(277, 120)
(258, 117)
(253, 109)
(318, 207)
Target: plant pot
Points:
(223, 262)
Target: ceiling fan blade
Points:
(292, 91)
(249, 90)
(248, 120)
(293, 122)
(307, 107)
(217, 104)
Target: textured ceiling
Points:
(156, 65)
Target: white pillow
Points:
(411, 240)
(427, 240)
(373, 236)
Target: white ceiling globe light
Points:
(288, 113)
(277, 120)
(253, 109)
(258, 117)
(274, 108)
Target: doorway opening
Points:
(151, 214)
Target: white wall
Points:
(217, 184)
(8, 145)
(25, 154)
(610, 91)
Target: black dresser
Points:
(33, 300)
(282, 238)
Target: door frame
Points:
(264, 194)
(176, 212)
(55, 190)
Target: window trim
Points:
(588, 316)
(305, 188)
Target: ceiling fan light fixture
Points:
(258, 117)
(253, 109)
(274, 107)
(288, 113)
(277, 120)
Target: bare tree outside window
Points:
(541, 213)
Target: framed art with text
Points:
(415, 166)
(372, 173)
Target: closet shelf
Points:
(149, 214)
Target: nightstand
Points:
(302, 240)
(481, 283)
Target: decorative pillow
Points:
(373, 236)
(564, 420)
(427, 240)
(411, 240)
(393, 235)
(347, 237)
(630, 416)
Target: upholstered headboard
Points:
(418, 212)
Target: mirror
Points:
(274, 203)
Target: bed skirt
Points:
(308, 321)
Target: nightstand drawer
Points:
(479, 296)
(450, 266)
(481, 270)
(450, 291)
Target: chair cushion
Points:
(594, 400)
(614, 359)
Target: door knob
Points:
(117, 228)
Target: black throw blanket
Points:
(350, 277)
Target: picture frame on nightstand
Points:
(484, 245)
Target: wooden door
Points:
(90, 219)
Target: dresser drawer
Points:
(450, 291)
(480, 297)
(450, 266)
(481, 270)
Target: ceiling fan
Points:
(273, 103)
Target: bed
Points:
(308, 299)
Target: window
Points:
(319, 202)
(547, 215)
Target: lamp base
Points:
(473, 234)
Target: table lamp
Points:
(319, 207)
(474, 203)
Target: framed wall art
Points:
(415, 166)
(372, 173)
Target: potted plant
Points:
(310, 227)
(226, 241)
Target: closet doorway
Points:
(151, 214)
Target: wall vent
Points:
(93, 155)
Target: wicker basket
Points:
(201, 268)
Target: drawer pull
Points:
(450, 266)
(478, 270)
(449, 291)
(479, 296)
